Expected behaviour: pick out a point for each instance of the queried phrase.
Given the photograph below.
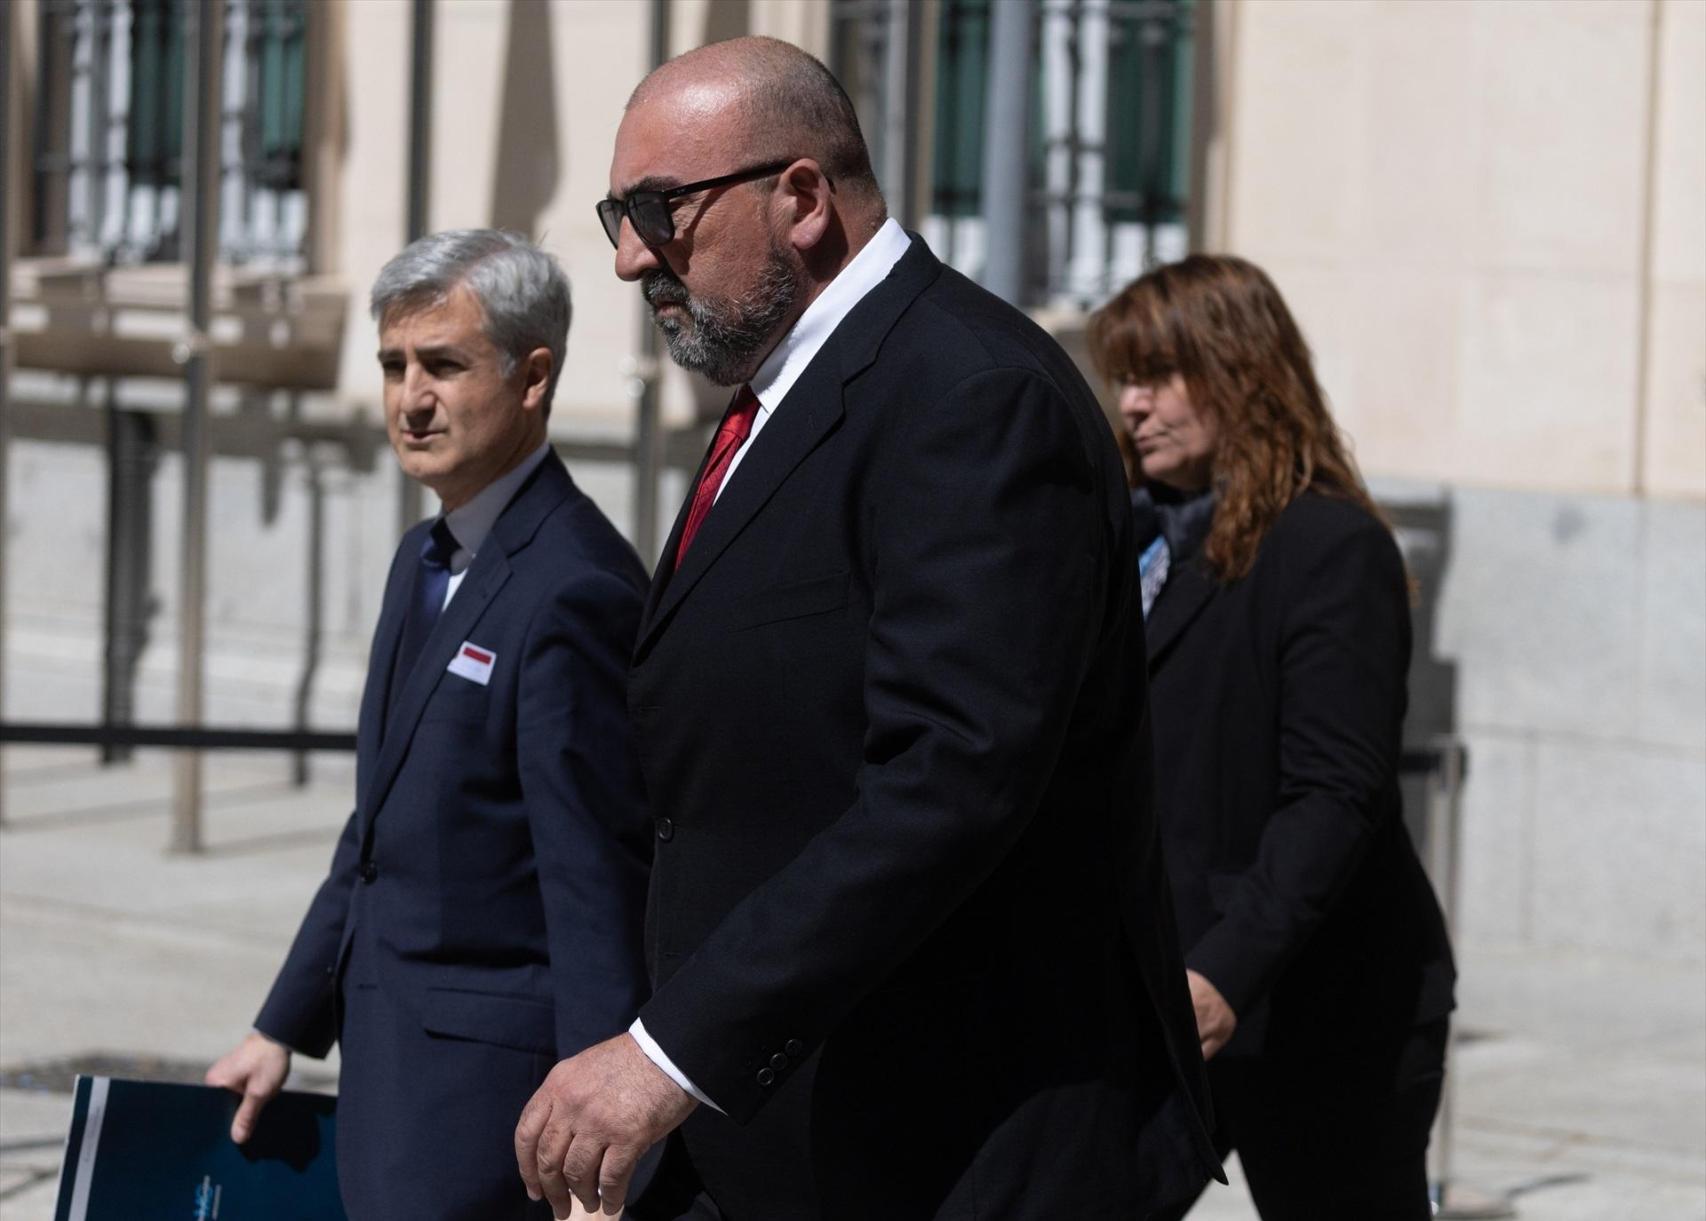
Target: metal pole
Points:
(648, 431)
(1451, 1200)
(409, 504)
(900, 108)
(7, 144)
(130, 470)
(316, 595)
(200, 176)
(1005, 124)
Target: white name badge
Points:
(473, 662)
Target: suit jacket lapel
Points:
(665, 570)
(544, 490)
(810, 412)
(382, 662)
(1181, 601)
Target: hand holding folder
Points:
(149, 1149)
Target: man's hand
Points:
(256, 1069)
(584, 1129)
(1215, 1019)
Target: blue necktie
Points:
(426, 602)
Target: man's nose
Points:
(417, 391)
(633, 257)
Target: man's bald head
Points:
(780, 102)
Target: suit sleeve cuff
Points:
(1236, 968)
(656, 1055)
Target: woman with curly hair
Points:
(1277, 617)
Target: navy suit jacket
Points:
(491, 879)
(908, 922)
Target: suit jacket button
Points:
(794, 1048)
(778, 1062)
(766, 1077)
(666, 830)
(369, 871)
(331, 971)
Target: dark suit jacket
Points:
(491, 879)
(908, 923)
(1278, 708)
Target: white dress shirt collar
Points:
(470, 523)
(782, 368)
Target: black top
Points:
(1278, 702)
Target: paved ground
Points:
(1581, 1085)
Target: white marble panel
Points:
(1495, 856)
(1620, 842)
(1672, 592)
(1539, 611)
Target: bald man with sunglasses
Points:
(910, 939)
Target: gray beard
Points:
(727, 337)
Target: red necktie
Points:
(731, 435)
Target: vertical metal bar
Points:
(1006, 123)
(420, 118)
(420, 168)
(315, 598)
(648, 431)
(203, 47)
(900, 108)
(100, 38)
(130, 462)
(1451, 1200)
(7, 145)
(1075, 150)
(1439, 785)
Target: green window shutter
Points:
(154, 141)
(1149, 89)
(281, 91)
(962, 81)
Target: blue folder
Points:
(144, 1149)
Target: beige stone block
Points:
(1296, 176)
(1398, 404)
(1674, 453)
(1679, 186)
(469, 60)
(1674, 456)
(1425, 140)
(601, 55)
(1546, 382)
(1563, 109)
(372, 171)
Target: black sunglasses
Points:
(649, 211)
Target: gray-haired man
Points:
(481, 917)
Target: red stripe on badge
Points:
(473, 654)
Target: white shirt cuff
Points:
(655, 1054)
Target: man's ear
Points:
(810, 204)
(536, 375)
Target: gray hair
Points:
(522, 291)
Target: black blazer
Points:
(491, 878)
(908, 923)
(1278, 709)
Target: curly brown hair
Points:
(1220, 324)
